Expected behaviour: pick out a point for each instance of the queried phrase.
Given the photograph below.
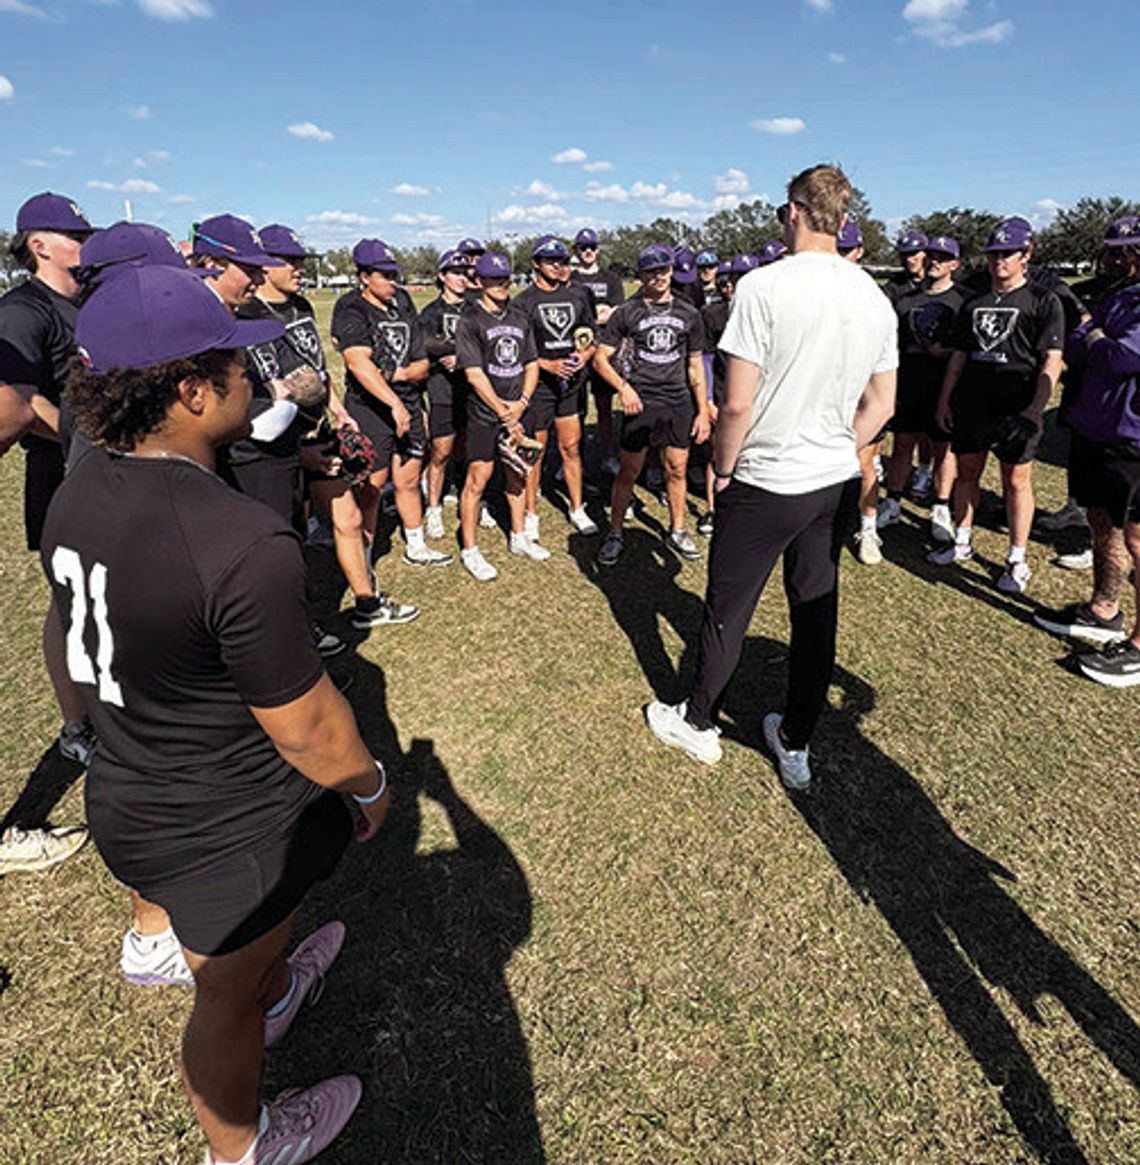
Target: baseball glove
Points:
(519, 452)
(355, 452)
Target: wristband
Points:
(372, 798)
(722, 476)
(525, 400)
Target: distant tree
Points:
(338, 262)
(970, 227)
(876, 246)
(419, 262)
(742, 229)
(1076, 233)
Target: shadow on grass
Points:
(45, 787)
(943, 898)
(418, 1004)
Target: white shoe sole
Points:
(1079, 633)
(659, 718)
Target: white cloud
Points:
(732, 181)
(180, 199)
(546, 214)
(659, 194)
(419, 220)
(540, 189)
(1045, 211)
(7, 89)
(725, 202)
(130, 186)
(409, 190)
(571, 157)
(597, 167)
(837, 58)
(341, 218)
(139, 112)
(19, 8)
(38, 164)
(176, 9)
(158, 156)
(310, 132)
(61, 152)
(596, 192)
(940, 21)
(780, 126)
(820, 5)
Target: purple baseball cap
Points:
(943, 245)
(586, 238)
(136, 243)
(282, 241)
(453, 260)
(654, 257)
(1011, 234)
(724, 267)
(771, 251)
(493, 265)
(742, 263)
(225, 236)
(151, 315)
(684, 265)
(1124, 232)
(470, 247)
(374, 255)
(850, 236)
(51, 212)
(910, 242)
(707, 258)
(548, 247)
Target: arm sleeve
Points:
(748, 333)
(1052, 329)
(888, 358)
(257, 611)
(1119, 353)
(613, 331)
(529, 347)
(696, 331)
(468, 350)
(350, 327)
(617, 288)
(23, 341)
(416, 349)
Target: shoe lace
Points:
(291, 1113)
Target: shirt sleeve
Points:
(350, 327)
(748, 333)
(888, 358)
(614, 330)
(617, 289)
(529, 347)
(1052, 332)
(468, 350)
(416, 347)
(962, 337)
(257, 611)
(696, 330)
(23, 342)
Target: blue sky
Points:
(429, 120)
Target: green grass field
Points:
(573, 945)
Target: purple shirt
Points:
(1107, 407)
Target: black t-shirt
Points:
(394, 337)
(183, 604)
(605, 287)
(899, 286)
(663, 337)
(502, 345)
(438, 321)
(1005, 336)
(926, 320)
(563, 322)
(37, 341)
(300, 347)
(714, 315)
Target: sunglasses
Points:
(196, 234)
(782, 210)
(391, 276)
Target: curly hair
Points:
(120, 407)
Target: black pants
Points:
(753, 528)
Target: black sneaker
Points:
(326, 643)
(1118, 665)
(705, 525)
(1080, 622)
(610, 550)
(381, 610)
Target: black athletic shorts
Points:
(914, 410)
(659, 423)
(483, 431)
(554, 400)
(447, 412)
(979, 417)
(43, 474)
(1106, 477)
(375, 421)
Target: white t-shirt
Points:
(818, 327)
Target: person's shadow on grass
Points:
(418, 1004)
(943, 898)
(53, 775)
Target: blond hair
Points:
(824, 193)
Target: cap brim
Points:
(685, 276)
(246, 259)
(247, 333)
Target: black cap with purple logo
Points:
(586, 238)
(684, 265)
(136, 243)
(470, 247)
(1011, 234)
(911, 242)
(225, 236)
(282, 241)
(850, 236)
(146, 316)
(52, 212)
(493, 265)
(549, 247)
(1124, 232)
(374, 255)
(654, 257)
(943, 245)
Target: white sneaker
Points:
(941, 524)
(433, 521)
(889, 513)
(1080, 560)
(477, 566)
(1014, 578)
(154, 960)
(530, 526)
(426, 556)
(792, 763)
(955, 552)
(667, 722)
(867, 547)
(582, 522)
(526, 547)
(25, 850)
(485, 519)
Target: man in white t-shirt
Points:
(811, 346)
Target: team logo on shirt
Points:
(304, 339)
(660, 340)
(393, 338)
(450, 322)
(926, 323)
(506, 351)
(557, 318)
(994, 325)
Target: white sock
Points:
(147, 942)
(285, 999)
(518, 537)
(1016, 554)
(414, 536)
(867, 523)
(250, 1155)
(468, 552)
(963, 535)
(580, 512)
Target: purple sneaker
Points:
(309, 962)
